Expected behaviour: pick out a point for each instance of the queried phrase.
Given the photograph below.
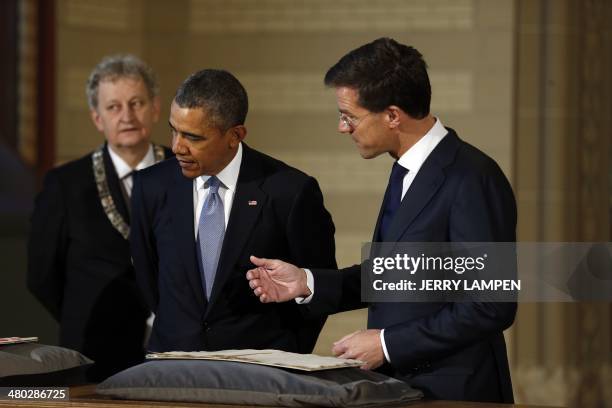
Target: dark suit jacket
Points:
(277, 212)
(453, 351)
(79, 267)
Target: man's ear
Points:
(394, 116)
(97, 121)
(237, 134)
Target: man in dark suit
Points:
(441, 189)
(79, 263)
(198, 218)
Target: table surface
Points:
(85, 396)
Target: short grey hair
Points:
(114, 67)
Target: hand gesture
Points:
(277, 281)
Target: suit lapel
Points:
(248, 202)
(424, 186)
(113, 185)
(180, 202)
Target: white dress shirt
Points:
(228, 178)
(414, 157)
(412, 160)
(124, 171)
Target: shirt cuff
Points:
(384, 346)
(310, 284)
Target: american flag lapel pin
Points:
(252, 202)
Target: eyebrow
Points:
(116, 101)
(346, 113)
(185, 133)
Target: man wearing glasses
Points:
(441, 189)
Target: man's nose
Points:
(177, 147)
(127, 114)
(344, 128)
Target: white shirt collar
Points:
(228, 176)
(414, 157)
(123, 169)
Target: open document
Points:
(275, 358)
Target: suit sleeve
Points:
(484, 211)
(142, 244)
(336, 291)
(47, 244)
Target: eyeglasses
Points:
(350, 122)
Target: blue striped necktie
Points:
(211, 230)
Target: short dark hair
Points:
(115, 67)
(385, 73)
(219, 93)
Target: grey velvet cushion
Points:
(226, 382)
(34, 358)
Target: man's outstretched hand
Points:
(277, 281)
